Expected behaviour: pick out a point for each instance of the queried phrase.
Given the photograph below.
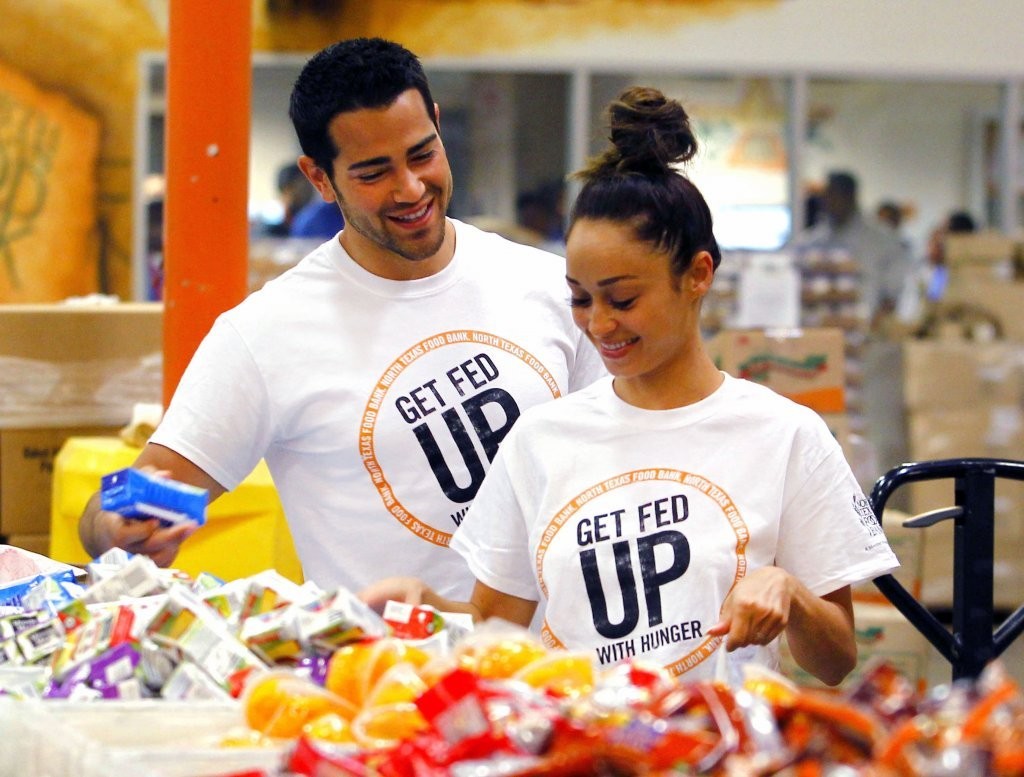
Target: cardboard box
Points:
(952, 374)
(26, 475)
(67, 370)
(806, 365)
(883, 633)
(999, 298)
(981, 431)
(986, 247)
(77, 365)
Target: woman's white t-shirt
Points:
(631, 526)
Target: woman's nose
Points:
(601, 321)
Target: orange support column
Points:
(206, 249)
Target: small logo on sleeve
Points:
(866, 515)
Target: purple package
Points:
(314, 667)
(114, 665)
(107, 669)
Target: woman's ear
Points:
(701, 272)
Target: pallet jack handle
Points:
(972, 642)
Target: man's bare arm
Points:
(100, 530)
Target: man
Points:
(379, 375)
(884, 262)
(937, 271)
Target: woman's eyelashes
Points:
(582, 302)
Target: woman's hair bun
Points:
(650, 133)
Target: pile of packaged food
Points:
(336, 689)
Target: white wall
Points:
(907, 141)
(913, 78)
(963, 38)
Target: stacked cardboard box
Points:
(964, 397)
(65, 370)
(985, 278)
(807, 365)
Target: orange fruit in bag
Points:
(355, 669)
(500, 658)
(400, 683)
(385, 725)
(560, 673)
(330, 727)
(280, 705)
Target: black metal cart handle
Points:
(972, 643)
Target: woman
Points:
(669, 508)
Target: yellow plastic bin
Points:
(245, 529)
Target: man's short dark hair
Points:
(347, 76)
(961, 221)
(843, 182)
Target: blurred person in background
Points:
(885, 264)
(891, 214)
(542, 212)
(936, 277)
(294, 191)
(317, 218)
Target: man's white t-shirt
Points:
(378, 404)
(631, 526)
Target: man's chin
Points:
(417, 248)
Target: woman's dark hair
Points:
(346, 76)
(637, 179)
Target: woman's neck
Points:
(684, 385)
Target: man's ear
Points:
(318, 177)
(437, 117)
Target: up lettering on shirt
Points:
(434, 421)
(655, 552)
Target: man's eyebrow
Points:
(423, 143)
(377, 161)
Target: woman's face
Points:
(643, 321)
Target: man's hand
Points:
(400, 589)
(148, 537)
(101, 530)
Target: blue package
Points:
(12, 594)
(136, 494)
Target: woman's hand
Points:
(819, 629)
(757, 609)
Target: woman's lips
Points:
(616, 349)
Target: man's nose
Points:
(409, 187)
